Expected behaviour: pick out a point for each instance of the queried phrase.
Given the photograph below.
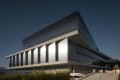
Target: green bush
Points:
(41, 75)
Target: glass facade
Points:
(17, 59)
(78, 53)
(21, 59)
(38, 54)
(56, 51)
(32, 56)
(10, 63)
(26, 55)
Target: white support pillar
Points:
(35, 52)
(52, 52)
(20, 59)
(15, 60)
(24, 60)
(43, 54)
(63, 50)
(29, 57)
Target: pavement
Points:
(102, 76)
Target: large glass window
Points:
(26, 57)
(83, 55)
(10, 61)
(56, 45)
(14, 60)
(38, 54)
(87, 53)
(17, 59)
(32, 56)
(47, 53)
(21, 59)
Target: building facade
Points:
(64, 45)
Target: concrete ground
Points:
(102, 76)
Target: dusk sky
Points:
(21, 18)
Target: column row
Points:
(56, 51)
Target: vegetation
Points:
(37, 76)
(117, 67)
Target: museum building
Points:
(65, 45)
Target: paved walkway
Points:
(102, 76)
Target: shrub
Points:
(40, 75)
(116, 67)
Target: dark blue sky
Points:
(21, 18)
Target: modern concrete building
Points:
(64, 45)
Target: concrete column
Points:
(52, 52)
(15, 60)
(43, 54)
(20, 59)
(63, 50)
(29, 57)
(35, 52)
(24, 60)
